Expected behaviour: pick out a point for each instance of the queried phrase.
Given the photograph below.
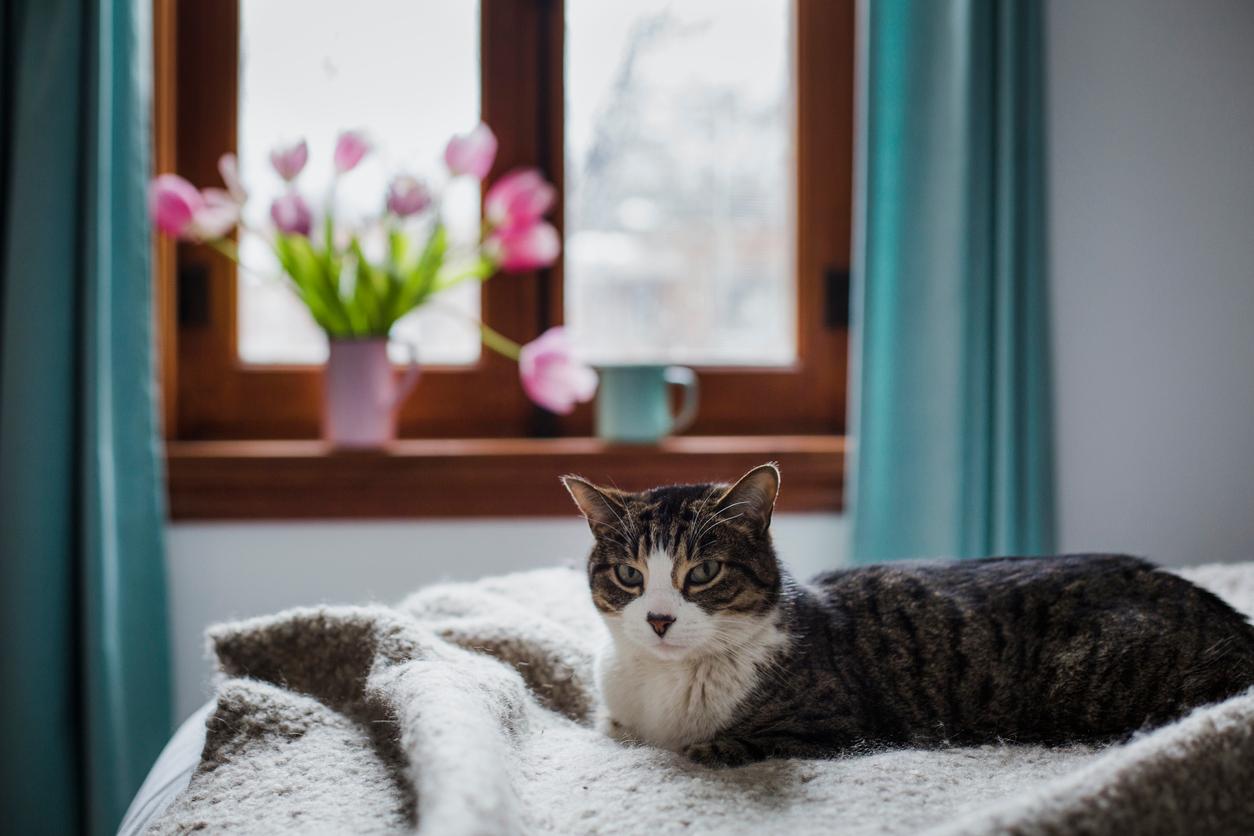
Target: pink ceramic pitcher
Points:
(361, 393)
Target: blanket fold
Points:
(470, 708)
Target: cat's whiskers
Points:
(622, 525)
(714, 520)
(618, 538)
(715, 516)
(635, 533)
(716, 525)
(697, 520)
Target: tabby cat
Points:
(717, 653)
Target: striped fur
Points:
(754, 665)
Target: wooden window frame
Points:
(220, 412)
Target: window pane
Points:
(679, 179)
(406, 72)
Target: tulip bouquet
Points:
(355, 295)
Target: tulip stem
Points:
(499, 343)
(482, 270)
(230, 249)
(225, 246)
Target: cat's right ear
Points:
(598, 505)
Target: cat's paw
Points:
(718, 753)
(610, 727)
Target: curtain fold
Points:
(951, 413)
(85, 702)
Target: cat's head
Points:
(687, 570)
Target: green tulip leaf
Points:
(312, 276)
(419, 281)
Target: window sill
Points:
(256, 480)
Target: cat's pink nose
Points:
(660, 623)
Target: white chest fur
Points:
(675, 702)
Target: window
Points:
(353, 66)
(705, 211)
(679, 181)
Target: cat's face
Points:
(683, 571)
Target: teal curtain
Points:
(951, 413)
(85, 691)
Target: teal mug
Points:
(633, 402)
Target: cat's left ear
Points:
(601, 506)
(754, 495)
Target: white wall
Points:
(220, 572)
(1151, 173)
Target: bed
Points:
(468, 709)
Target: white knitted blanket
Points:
(466, 710)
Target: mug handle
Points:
(410, 379)
(686, 378)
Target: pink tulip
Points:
(522, 248)
(216, 217)
(179, 210)
(228, 167)
(471, 153)
(407, 196)
(518, 199)
(550, 374)
(173, 203)
(289, 161)
(349, 149)
(291, 214)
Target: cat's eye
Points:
(704, 572)
(628, 575)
